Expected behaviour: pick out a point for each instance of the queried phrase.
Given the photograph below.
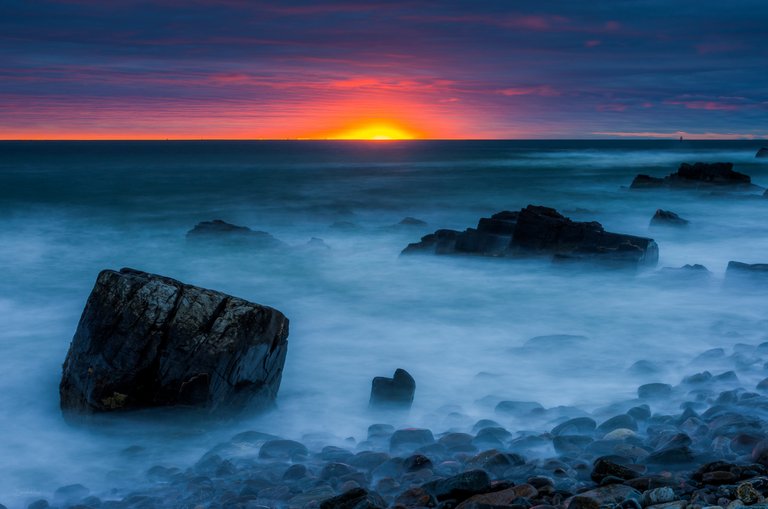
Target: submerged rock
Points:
(218, 230)
(537, 231)
(667, 218)
(147, 341)
(392, 392)
(762, 153)
(697, 175)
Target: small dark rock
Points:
(654, 391)
(356, 498)
(459, 487)
(604, 468)
(667, 218)
(397, 391)
(282, 449)
(410, 438)
(762, 153)
(577, 425)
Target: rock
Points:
(317, 244)
(762, 153)
(667, 218)
(686, 273)
(611, 494)
(536, 231)
(518, 407)
(282, 449)
(617, 422)
(146, 340)
(747, 493)
(501, 498)
(395, 392)
(738, 272)
(416, 497)
(577, 425)
(658, 496)
(218, 230)
(410, 438)
(356, 498)
(70, 494)
(654, 391)
(604, 468)
(459, 487)
(695, 176)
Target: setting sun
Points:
(374, 131)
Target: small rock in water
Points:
(395, 392)
(459, 487)
(667, 218)
(762, 153)
(654, 391)
(356, 498)
(518, 407)
(410, 438)
(221, 230)
(282, 449)
(617, 422)
(577, 425)
(412, 221)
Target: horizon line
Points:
(381, 141)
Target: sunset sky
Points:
(98, 69)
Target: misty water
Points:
(358, 310)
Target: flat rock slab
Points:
(149, 341)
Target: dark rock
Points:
(640, 412)
(146, 340)
(616, 422)
(410, 438)
(71, 493)
(577, 425)
(719, 477)
(518, 407)
(39, 504)
(395, 392)
(667, 218)
(604, 468)
(356, 498)
(219, 230)
(459, 487)
(514, 497)
(283, 449)
(604, 495)
(368, 460)
(697, 175)
(539, 230)
(654, 391)
(570, 444)
(295, 472)
(658, 496)
(416, 497)
(644, 367)
(762, 153)
(416, 462)
(317, 244)
(671, 456)
(688, 273)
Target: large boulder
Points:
(697, 175)
(148, 341)
(537, 230)
(395, 392)
(222, 231)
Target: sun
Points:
(374, 131)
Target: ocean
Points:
(357, 309)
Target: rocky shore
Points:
(700, 443)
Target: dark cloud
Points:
(460, 68)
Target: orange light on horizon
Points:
(375, 131)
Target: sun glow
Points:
(378, 131)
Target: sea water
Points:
(357, 309)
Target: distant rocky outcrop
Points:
(218, 230)
(412, 221)
(667, 218)
(147, 341)
(395, 392)
(762, 153)
(698, 175)
(739, 272)
(537, 230)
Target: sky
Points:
(238, 69)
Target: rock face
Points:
(146, 341)
(667, 218)
(395, 392)
(762, 153)
(218, 230)
(698, 175)
(537, 230)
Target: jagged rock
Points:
(667, 218)
(762, 153)
(146, 341)
(218, 230)
(396, 392)
(697, 175)
(537, 230)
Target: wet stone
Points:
(410, 438)
(619, 421)
(604, 468)
(416, 497)
(654, 391)
(335, 470)
(575, 426)
(640, 412)
(719, 477)
(658, 496)
(570, 444)
(461, 486)
(357, 498)
(747, 493)
(295, 472)
(416, 462)
(283, 449)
